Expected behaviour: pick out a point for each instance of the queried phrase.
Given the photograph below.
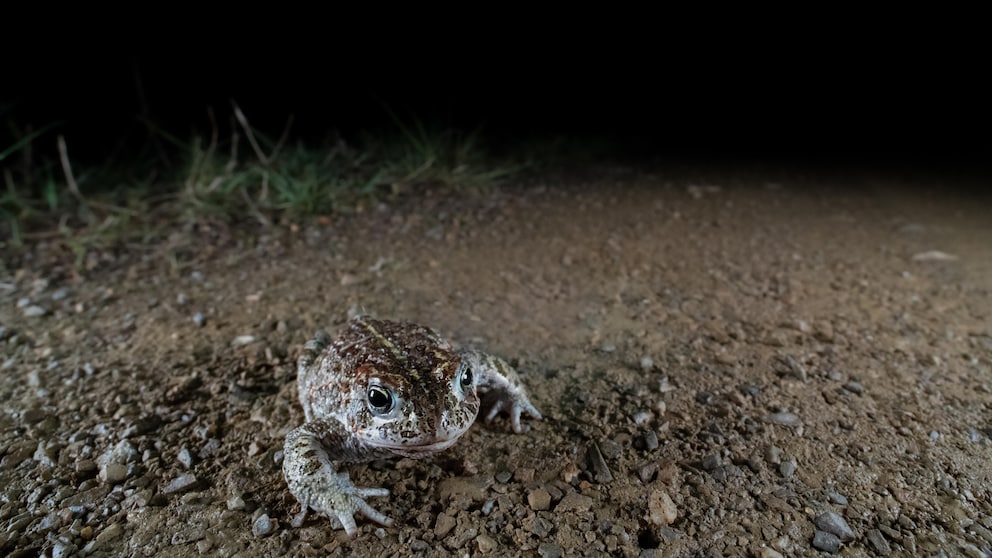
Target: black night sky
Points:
(775, 98)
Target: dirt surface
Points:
(728, 365)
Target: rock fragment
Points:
(661, 509)
(836, 525)
(539, 499)
(879, 543)
(573, 501)
(826, 542)
(182, 483)
(263, 526)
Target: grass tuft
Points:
(249, 176)
(258, 176)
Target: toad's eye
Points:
(466, 376)
(380, 400)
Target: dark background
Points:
(913, 100)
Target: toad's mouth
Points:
(418, 446)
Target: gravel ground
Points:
(728, 365)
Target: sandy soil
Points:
(728, 364)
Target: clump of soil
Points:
(726, 367)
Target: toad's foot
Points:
(316, 485)
(515, 406)
(501, 388)
(335, 496)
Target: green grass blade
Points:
(19, 144)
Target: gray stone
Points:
(539, 499)
(263, 526)
(879, 543)
(787, 468)
(34, 311)
(549, 550)
(113, 472)
(443, 525)
(182, 483)
(785, 419)
(601, 471)
(711, 461)
(836, 525)
(826, 542)
(573, 501)
(650, 440)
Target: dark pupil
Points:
(467, 377)
(378, 397)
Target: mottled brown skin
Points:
(381, 389)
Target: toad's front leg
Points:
(315, 483)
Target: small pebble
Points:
(540, 526)
(767, 552)
(906, 522)
(650, 440)
(573, 501)
(243, 340)
(487, 508)
(661, 508)
(647, 363)
(834, 524)
(796, 369)
(539, 499)
(112, 531)
(34, 311)
(854, 387)
(750, 390)
(549, 550)
(601, 472)
(263, 526)
(185, 458)
(773, 455)
(86, 468)
(934, 256)
(647, 472)
(61, 550)
(837, 498)
(610, 449)
(179, 484)
(881, 545)
(113, 472)
(711, 461)
(443, 525)
(787, 468)
(60, 294)
(199, 320)
(787, 419)
(826, 542)
(485, 543)
(642, 417)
